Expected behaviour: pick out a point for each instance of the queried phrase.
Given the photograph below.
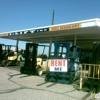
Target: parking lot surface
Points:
(16, 86)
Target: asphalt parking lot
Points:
(16, 86)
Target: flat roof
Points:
(85, 32)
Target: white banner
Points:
(58, 65)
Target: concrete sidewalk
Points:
(16, 86)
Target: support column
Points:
(75, 45)
(17, 42)
(75, 39)
(50, 46)
(49, 53)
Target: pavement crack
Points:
(10, 77)
(25, 87)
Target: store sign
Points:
(29, 31)
(65, 27)
(58, 65)
(54, 29)
(2, 35)
(41, 30)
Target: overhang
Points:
(84, 33)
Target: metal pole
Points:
(75, 39)
(17, 42)
(50, 47)
(51, 36)
(74, 45)
(53, 17)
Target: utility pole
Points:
(53, 17)
(51, 36)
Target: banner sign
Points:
(58, 65)
(29, 31)
(41, 30)
(2, 35)
(65, 27)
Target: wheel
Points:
(39, 71)
(5, 63)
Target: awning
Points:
(84, 33)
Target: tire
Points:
(5, 63)
(39, 71)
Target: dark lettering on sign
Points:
(17, 33)
(12, 33)
(58, 69)
(41, 30)
(29, 31)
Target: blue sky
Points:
(23, 14)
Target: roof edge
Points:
(82, 21)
